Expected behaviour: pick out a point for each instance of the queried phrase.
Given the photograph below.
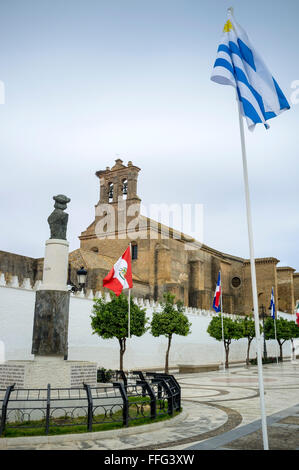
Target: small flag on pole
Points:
(297, 314)
(120, 276)
(217, 296)
(272, 305)
(239, 64)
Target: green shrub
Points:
(104, 375)
(269, 360)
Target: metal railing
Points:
(132, 397)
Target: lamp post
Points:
(81, 280)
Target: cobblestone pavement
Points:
(221, 410)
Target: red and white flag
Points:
(120, 276)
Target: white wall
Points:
(16, 327)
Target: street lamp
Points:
(81, 277)
(81, 280)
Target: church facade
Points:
(166, 260)
(163, 259)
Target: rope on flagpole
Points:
(253, 281)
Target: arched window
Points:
(134, 251)
(110, 192)
(124, 188)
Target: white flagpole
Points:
(276, 339)
(129, 315)
(223, 348)
(253, 281)
(129, 309)
(275, 333)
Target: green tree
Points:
(110, 320)
(231, 330)
(170, 321)
(247, 325)
(283, 331)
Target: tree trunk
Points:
(248, 349)
(293, 350)
(280, 349)
(226, 345)
(167, 355)
(122, 349)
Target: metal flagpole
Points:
(129, 315)
(275, 338)
(275, 333)
(253, 280)
(129, 310)
(223, 349)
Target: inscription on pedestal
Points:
(12, 374)
(86, 373)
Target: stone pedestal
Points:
(55, 265)
(51, 314)
(50, 326)
(47, 370)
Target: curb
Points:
(11, 442)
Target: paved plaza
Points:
(221, 411)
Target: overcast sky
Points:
(89, 81)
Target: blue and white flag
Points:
(272, 305)
(238, 64)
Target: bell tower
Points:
(119, 203)
(117, 213)
(118, 183)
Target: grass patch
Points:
(78, 425)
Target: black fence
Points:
(126, 398)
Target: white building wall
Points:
(16, 327)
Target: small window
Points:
(134, 249)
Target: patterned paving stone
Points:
(221, 411)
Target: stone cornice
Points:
(285, 268)
(263, 261)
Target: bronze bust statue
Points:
(58, 219)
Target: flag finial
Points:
(230, 10)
